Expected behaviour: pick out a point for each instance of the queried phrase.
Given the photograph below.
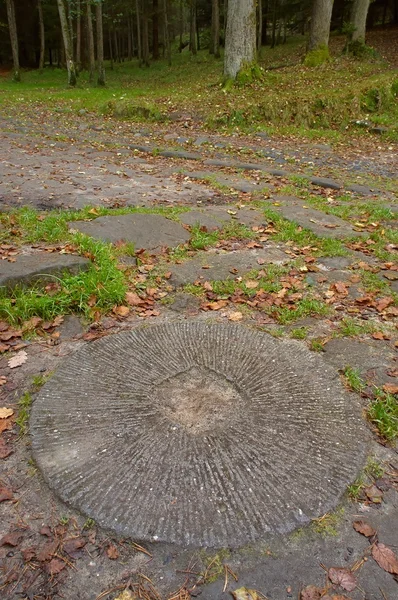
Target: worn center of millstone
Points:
(199, 400)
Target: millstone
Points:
(211, 435)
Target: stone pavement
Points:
(115, 433)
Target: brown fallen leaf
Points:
(251, 284)
(374, 494)
(364, 528)
(133, 299)
(390, 388)
(244, 593)
(5, 494)
(235, 316)
(3, 378)
(378, 335)
(31, 324)
(57, 321)
(383, 303)
(18, 360)
(29, 553)
(47, 551)
(3, 348)
(11, 539)
(112, 552)
(46, 531)
(6, 412)
(334, 597)
(207, 286)
(74, 547)
(5, 449)
(343, 577)
(385, 558)
(216, 305)
(121, 311)
(55, 566)
(311, 592)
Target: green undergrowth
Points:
(311, 99)
(373, 470)
(382, 410)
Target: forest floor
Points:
(226, 202)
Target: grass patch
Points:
(383, 412)
(24, 404)
(354, 379)
(327, 525)
(306, 307)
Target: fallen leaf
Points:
(5, 494)
(11, 539)
(32, 324)
(45, 530)
(112, 552)
(244, 593)
(3, 348)
(207, 286)
(74, 546)
(364, 528)
(390, 388)
(378, 335)
(383, 303)
(47, 551)
(251, 284)
(340, 287)
(235, 316)
(121, 311)
(18, 360)
(310, 593)
(385, 558)
(343, 577)
(216, 305)
(126, 595)
(133, 299)
(57, 321)
(6, 412)
(55, 566)
(29, 553)
(5, 450)
(374, 494)
(3, 379)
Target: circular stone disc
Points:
(211, 435)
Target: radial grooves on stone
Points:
(211, 435)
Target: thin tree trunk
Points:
(90, 42)
(215, 28)
(359, 13)
(320, 24)
(116, 45)
(78, 34)
(155, 29)
(145, 35)
(70, 24)
(260, 25)
(110, 46)
(129, 40)
(42, 35)
(274, 23)
(192, 37)
(12, 26)
(240, 40)
(139, 43)
(181, 24)
(70, 65)
(100, 44)
(166, 36)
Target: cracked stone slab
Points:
(218, 266)
(39, 267)
(235, 183)
(372, 359)
(197, 434)
(215, 217)
(320, 223)
(148, 231)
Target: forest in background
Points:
(152, 29)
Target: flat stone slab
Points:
(213, 266)
(320, 223)
(148, 231)
(215, 217)
(39, 267)
(372, 359)
(196, 434)
(235, 183)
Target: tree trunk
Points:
(145, 35)
(129, 41)
(42, 35)
(192, 32)
(320, 24)
(240, 39)
(90, 42)
(70, 65)
(260, 25)
(100, 44)
(12, 26)
(359, 12)
(155, 29)
(181, 25)
(139, 42)
(215, 28)
(166, 36)
(78, 34)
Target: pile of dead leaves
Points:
(11, 338)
